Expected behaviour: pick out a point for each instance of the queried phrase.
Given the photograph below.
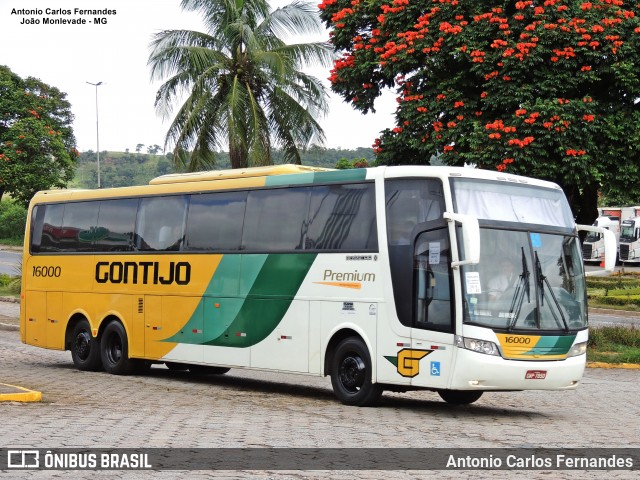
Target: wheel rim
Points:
(114, 348)
(352, 373)
(83, 345)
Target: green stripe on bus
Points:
(223, 290)
(246, 299)
(552, 345)
(335, 176)
(274, 289)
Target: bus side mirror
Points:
(609, 249)
(470, 238)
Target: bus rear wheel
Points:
(85, 350)
(351, 374)
(459, 397)
(114, 349)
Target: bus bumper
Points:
(476, 371)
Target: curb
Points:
(622, 366)
(18, 394)
(10, 299)
(9, 326)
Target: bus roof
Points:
(235, 173)
(277, 175)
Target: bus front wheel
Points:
(351, 374)
(459, 397)
(114, 349)
(85, 350)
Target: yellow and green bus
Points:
(381, 278)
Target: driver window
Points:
(432, 281)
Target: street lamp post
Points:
(97, 131)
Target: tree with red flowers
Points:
(545, 88)
(37, 145)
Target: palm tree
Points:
(242, 83)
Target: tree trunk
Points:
(586, 208)
(584, 204)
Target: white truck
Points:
(593, 245)
(629, 244)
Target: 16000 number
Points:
(47, 271)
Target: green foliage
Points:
(13, 218)
(546, 89)
(37, 146)
(614, 291)
(245, 88)
(120, 169)
(613, 281)
(345, 164)
(614, 345)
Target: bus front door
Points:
(433, 314)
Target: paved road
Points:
(10, 261)
(259, 409)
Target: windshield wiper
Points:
(518, 296)
(542, 280)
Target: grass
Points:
(13, 242)
(9, 285)
(618, 291)
(9, 292)
(614, 345)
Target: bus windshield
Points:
(512, 202)
(526, 281)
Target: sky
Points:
(116, 54)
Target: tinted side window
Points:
(160, 223)
(116, 223)
(410, 202)
(343, 217)
(276, 219)
(215, 221)
(79, 223)
(48, 235)
(37, 220)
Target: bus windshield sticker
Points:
(473, 283)
(434, 253)
(536, 241)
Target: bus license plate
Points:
(535, 375)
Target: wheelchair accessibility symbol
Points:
(435, 369)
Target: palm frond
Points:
(239, 84)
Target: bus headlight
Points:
(578, 349)
(475, 345)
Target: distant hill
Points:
(121, 169)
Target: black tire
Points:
(114, 349)
(459, 397)
(206, 370)
(85, 350)
(351, 374)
